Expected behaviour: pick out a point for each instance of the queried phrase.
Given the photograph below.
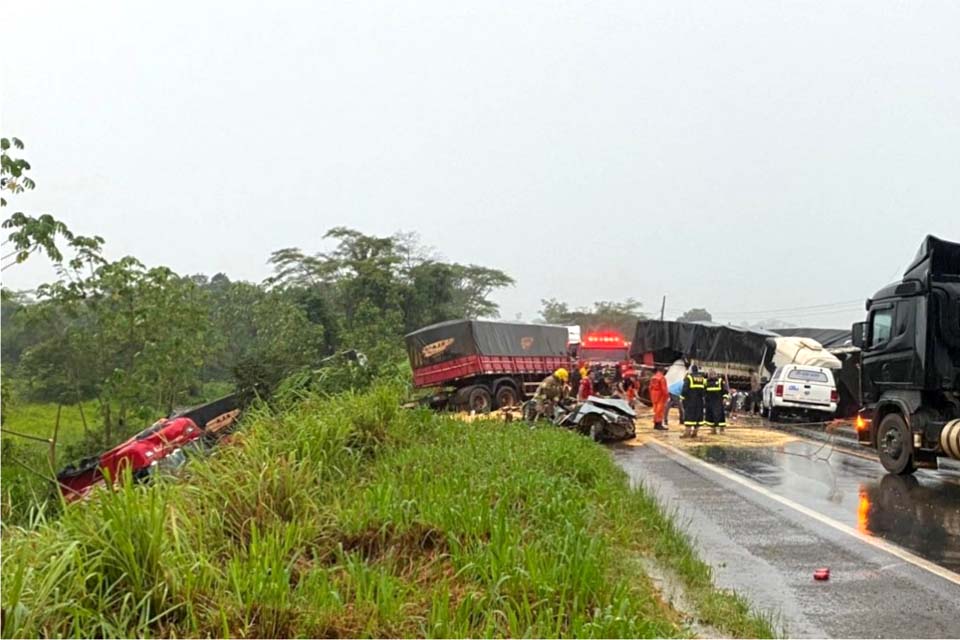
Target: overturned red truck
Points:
(161, 443)
(481, 365)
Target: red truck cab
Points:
(138, 453)
(604, 348)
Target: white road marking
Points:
(878, 543)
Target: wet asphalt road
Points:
(767, 514)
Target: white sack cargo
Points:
(802, 351)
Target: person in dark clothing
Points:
(715, 393)
(692, 396)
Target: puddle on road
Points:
(914, 513)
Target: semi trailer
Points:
(481, 365)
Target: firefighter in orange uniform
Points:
(658, 396)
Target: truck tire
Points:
(894, 445)
(507, 396)
(479, 400)
(773, 414)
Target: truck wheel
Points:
(480, 400)
(894, 445)
(773, 414)
(506, 396)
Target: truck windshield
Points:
(603, 355)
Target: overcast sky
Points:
(742, 156)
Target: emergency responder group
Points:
(701, 397)
(702, 401)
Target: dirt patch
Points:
(733, 436)
(374, 544)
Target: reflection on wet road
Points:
(920, 513)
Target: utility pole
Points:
(663, 305)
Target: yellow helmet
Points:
(583, 372)
(561, 374)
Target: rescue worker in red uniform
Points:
(659, 394)
(716, 392)
(692, 396)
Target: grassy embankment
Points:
(352, 517)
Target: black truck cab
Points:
(911, 362)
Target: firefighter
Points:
(551, 391)
(692, 396)
(716, 392)
(659, 394)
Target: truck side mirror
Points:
(858, 330)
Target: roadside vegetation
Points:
(349, 516)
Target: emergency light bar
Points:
(604, 339)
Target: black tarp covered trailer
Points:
(668, 340)
(491, 362)
(457, 338)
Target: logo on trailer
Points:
(436, 348)
(526, 343)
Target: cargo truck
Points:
(910, 344)
(480, 365)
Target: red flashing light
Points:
(778, 391)
(604, 339)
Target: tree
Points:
(135, 337)
(605, 314)
(258, 335)
(695, 315)
(31, 234)
(391, 283)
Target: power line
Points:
(848, 303)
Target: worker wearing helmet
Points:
(552, 390)
(692, 396)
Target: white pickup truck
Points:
(800, 388)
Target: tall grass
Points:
(350, 517)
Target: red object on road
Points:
(822, 574)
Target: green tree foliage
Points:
(31, 234)
(695, 315)
(134, 337)
(258, 336)
(384, 286)
(621, 316)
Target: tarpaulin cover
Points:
(703, 341)
(792, 350)
(829, 338)
(204, 413)
(457, 338)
